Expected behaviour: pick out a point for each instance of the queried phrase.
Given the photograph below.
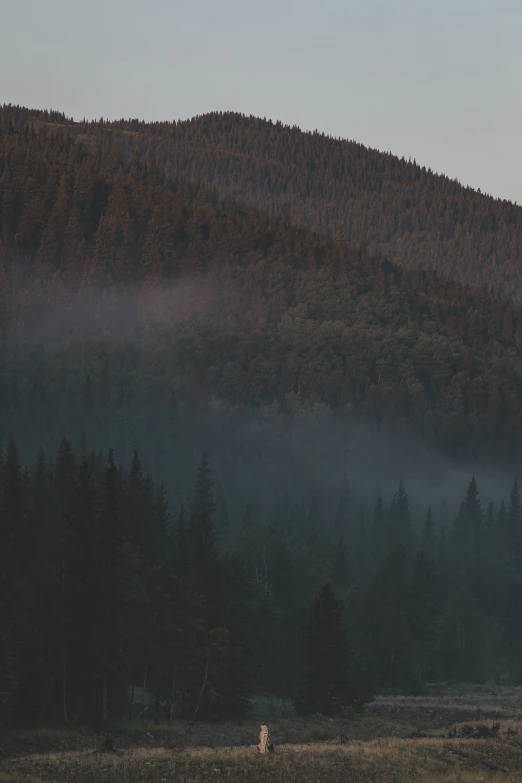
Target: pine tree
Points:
(133, 506)
(326, 684)
(81, 611)
(42, 610)
(65, 477)
(468, 530)
(202, 532)
(161, 523)
(111, 591)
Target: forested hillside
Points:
(270, 315)
(145, 309)
(412, 216)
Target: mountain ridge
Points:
(56, 117)
(412, 216)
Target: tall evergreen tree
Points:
(326, 681)
(110, 591)
(202, 530)
(65, 476)
(81, 610)
(134, 510)
(468, 530)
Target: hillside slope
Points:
(412, 216)
(268, 314)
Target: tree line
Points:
(108, 590)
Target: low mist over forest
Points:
(236, 418)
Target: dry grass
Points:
(391, 760)
(315, 751)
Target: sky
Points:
(437, 81)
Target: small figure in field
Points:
(265, 744)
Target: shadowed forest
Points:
(300, 351)
(107, 587)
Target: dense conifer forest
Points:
(108, 590)
(235, 287)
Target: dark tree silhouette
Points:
(326, 683)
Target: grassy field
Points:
(397, 739)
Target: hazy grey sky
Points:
(439, 81)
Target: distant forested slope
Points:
(269, 315)
(414, 217)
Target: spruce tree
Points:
(326, 685)
(202, 531)
(65, 477)
(42, 610)
(468, 530)
(81, 611)
(111, 594)
(133, 505)
(160, 526)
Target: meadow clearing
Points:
(396, 739)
